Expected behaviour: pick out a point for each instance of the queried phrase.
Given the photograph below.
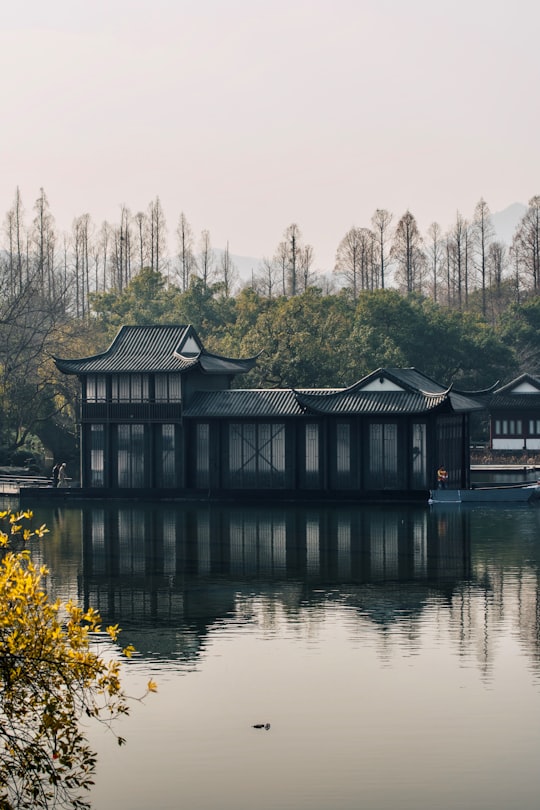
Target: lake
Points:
(393, 651)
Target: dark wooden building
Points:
(514, 411)
(158, 413)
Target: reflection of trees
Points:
(496, 600)
(172, 576)
(502, 594)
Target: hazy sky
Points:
(249, 115)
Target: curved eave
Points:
(102, 364)
(107, 363)
(134, 349)
(76, 366)
(480, 393)
(214, 364)
(387, 403)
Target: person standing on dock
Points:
(55, 473)
(62, 475)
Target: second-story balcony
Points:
(130, 411)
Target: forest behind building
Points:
(458, 304)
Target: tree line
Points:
(462, 266)
(459, 306)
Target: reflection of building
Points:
(186, 568)
(331, 545)
(158, 413)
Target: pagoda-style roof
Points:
(522, 393)
(389, 392)
(385, 392)
(161, 348)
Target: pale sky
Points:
(248, 115)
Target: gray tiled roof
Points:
(511, 401)
(504, 398)
(152, 349)
(409, 377)
(244, 403)
(373, 402)
(276, 403)
(418, 394)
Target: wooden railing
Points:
(130, 411)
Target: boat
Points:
(513, 493)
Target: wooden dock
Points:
(28, 487)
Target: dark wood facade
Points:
(158, 414)
(514, 411)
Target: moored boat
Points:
(495, 494)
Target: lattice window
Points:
(256, 455)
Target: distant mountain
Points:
(505, 222)
(246, 266)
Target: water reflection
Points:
(388, 647)
(188, 569)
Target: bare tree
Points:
(356, 259)
(306, 258)
(381, 221)
(188, 263)
(290, 250)
(265, 281)
(9, 230)
(292, 240)
(482, 235)
(435, 256)
(157, 231)
(515, 263)
(141, 227)
(408, 254)
(121, 251)
(206, 258)
(44, 239)
(103, 243)
(28, 334)
(527, 243)
(458, 243)
(81, 263)
(281, 260)
(15, 232)
(497, 260)
(65, 265)
(227, 271)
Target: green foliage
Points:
(145, 300)
(520, 329)
(447, 345)
(148, 300)
(303, 339)
(316, 340)
(206, 307)
(50, 676)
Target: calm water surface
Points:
(394, 652)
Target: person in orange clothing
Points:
(442, 477)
